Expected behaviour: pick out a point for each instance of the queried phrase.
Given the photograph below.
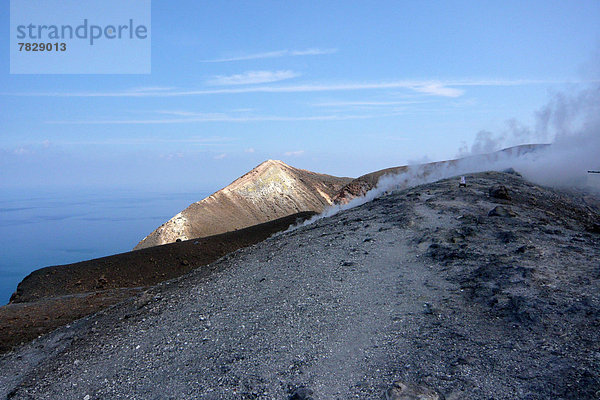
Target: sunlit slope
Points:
(271, 190)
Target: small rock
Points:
(101, 282)
(301, 393)
(511, 171)
(185, 262)
(594, 228)
(427, 309)
(522, 249)
(551, 231)
(506, 236)
(499, 192)
(409, 391)
(500, 211)
(143, 300)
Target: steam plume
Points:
(572, 122)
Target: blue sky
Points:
(340, 87)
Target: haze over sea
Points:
(42, 228)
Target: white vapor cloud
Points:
(253, 78)
(274, 54)
(564, 116)
(572, 120)
(249, 150)
(220, 156)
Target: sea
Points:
(40, 228)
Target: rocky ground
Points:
(484, 292)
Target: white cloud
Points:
(171, 156)
(220, 156)
(20, 151)
(249, 150)
(190, 117)
(312, 52)
(294, 153)
(253, 77)
(145, 89)
(307, 88)
(438, 88)
(180, 113)
(274, 54)
(366, 103)
(196, 141)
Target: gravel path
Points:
(420, 286)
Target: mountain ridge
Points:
(271, 190)
(274, 189)
(358, 187)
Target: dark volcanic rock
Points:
(410, 391)
(301, 393)
(594, 228)
(512, 172)
(444, 253)
(499, 192)
(506, 236)
(500, 211)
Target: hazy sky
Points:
(342, 87)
